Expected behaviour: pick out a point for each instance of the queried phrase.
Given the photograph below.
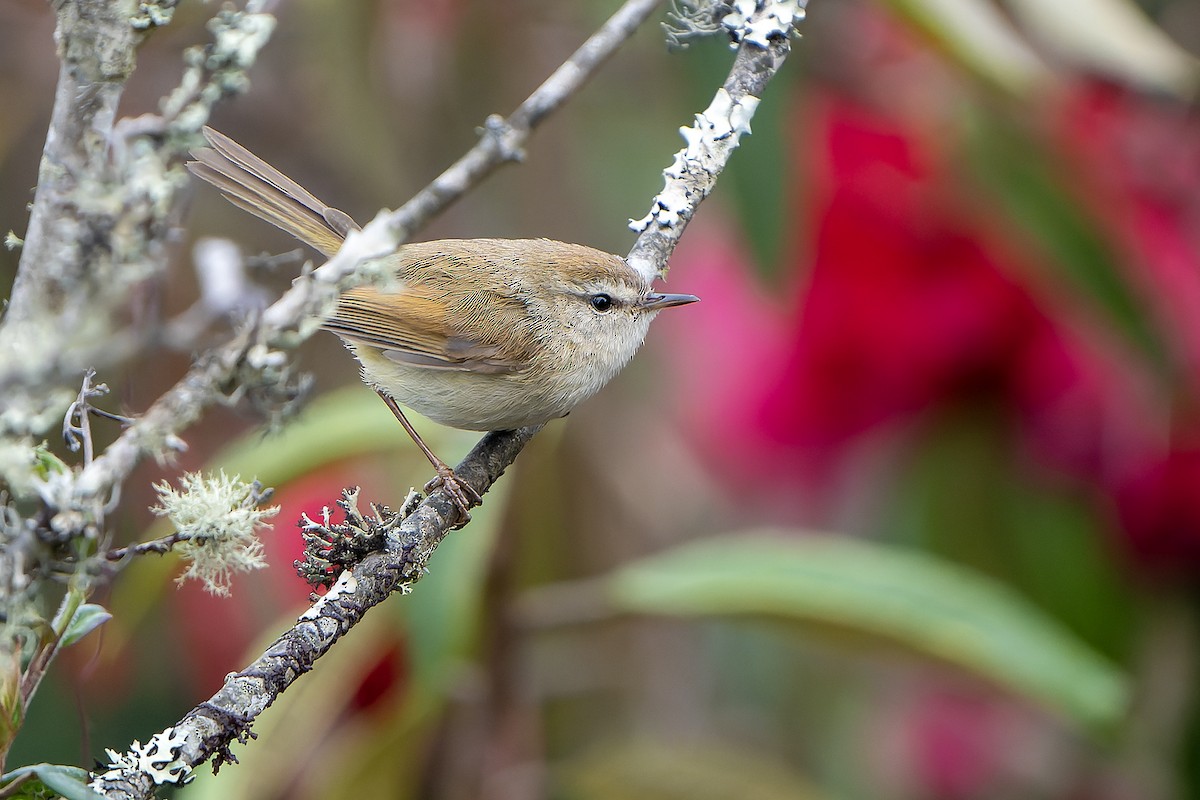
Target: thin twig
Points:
(77, 426)
(183, 403)
(160, 546)
(211, 727)
(504, 139)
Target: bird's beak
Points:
(655, 301)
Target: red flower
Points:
(913, 300)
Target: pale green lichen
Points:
(218, 70)
(24, 465)
(32, 412)
(217, 518)
(777, 20)
(152, 15)
(158, 759)
(238, 36)
(717, 130)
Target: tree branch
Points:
(210, 728)
(96, 45)
(290, 319)
(107, 191)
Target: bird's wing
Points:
(484, 332)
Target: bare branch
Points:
(161, 546)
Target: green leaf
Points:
(979, 37)
(701, 770)
(884, 595)
(47, 463)
(1117, 39)
(52, 780)
(967, 497)
(89, 617)
(70, 782)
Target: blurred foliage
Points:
(855, 593)
(1030, 190)
(651, 771)
(951, 286)
(48, 781)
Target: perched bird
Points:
(478, 334)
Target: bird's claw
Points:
(461, 492)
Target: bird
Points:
(475, 334)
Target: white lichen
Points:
(218, 70)
(692, 19)
(237, 38)
(217, 518)
(345, 584)
(261, 357)
(757, 22)
(717, 131)
(152, 15)
(73, 514)
(158, 759)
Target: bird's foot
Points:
(461, 492)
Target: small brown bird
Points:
(478, 334)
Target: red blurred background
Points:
(951, 303)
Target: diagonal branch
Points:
(286, 320)
(211, 727)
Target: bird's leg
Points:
(463, 495)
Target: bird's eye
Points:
(601, 302)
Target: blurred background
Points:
(908, 507)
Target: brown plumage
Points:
(481, 334)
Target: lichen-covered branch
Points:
(105, 202)
(209, 729)
(96, 44)
(761, 32)
(294, 316)
(108, 191)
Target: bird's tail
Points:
(255, 186)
